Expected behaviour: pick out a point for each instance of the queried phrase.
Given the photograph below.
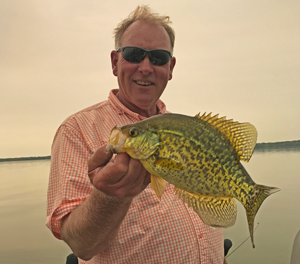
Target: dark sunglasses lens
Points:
(159, 57)
(134, 55)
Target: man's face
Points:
(141, 84)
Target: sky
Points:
(235, 58)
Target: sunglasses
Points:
(136, 55)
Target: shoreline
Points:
(260, 147)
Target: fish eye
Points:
(133, 132)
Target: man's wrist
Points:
(113, 199)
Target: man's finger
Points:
(147, 179)
(99, 158)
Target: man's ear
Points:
(172, 65)
(114, 62)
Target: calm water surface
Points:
(26, 240)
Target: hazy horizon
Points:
(259, 150)
(238, 59)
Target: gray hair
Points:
(144, 13)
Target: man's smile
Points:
(143, 83)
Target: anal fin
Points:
(213, 211)
(158, 185)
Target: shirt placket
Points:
(201, 237)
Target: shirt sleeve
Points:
(69, 184)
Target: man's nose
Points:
(145, 66)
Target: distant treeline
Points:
(260, 147)
(26, 158)
(278, 146)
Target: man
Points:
(113, 216)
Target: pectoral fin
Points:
(168, 164)
(158, 185)
(213, 211)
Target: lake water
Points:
(26, 240)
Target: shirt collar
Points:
(121, 109)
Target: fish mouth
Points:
(116, 140)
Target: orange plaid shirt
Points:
(153, 231)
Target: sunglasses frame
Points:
(148, 52)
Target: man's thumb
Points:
(99, 158)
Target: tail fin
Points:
(261, 192)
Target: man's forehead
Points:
(146, 34)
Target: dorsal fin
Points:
(242, 136)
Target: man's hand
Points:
(122, 176)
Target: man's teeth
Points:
(143, 83)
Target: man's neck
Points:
(146, 112)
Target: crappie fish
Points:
(201, 157)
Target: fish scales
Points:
(201, 156)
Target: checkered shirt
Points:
(153, 231)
